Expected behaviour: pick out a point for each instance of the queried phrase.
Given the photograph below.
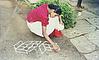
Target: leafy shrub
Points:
(68, 14)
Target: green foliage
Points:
(68, 14)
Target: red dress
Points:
(39, 14)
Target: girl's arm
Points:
(60, 20)
(55, 46)
(46, 35)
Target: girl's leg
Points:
(35, 27)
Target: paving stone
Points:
(83, 45)
(6, 3)
(86, 14)
(94, 21)
(93, 37)
(82, 27)
(92, 6)
(92, 56)
(73, 2)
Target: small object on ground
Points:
(79, 13)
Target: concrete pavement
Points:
(14, 29)
(85, 35)
(90, 5)
(78, 43)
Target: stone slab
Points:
(94, 21)
(83, 45)
(85, 14)
(92, 56)
(82, 27)
(93, 37)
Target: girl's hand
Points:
(60, 20)
(56, 47)
(61, 23)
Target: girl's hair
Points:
(56, 8)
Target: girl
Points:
(45, 20)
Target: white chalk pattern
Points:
(29, 46)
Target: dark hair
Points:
(56, 8)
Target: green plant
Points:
(68, 14)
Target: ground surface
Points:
(90, 5)
(13, 28)
(78, 43)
